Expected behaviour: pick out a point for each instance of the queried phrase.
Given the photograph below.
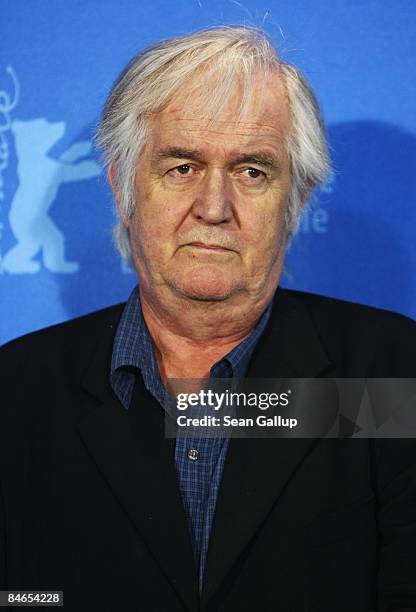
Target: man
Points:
(213, 146)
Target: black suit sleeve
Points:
(2, 544)
(397, 525)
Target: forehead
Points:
(188, 120)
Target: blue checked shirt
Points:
(199, 478)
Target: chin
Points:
(212, 285)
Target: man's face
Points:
(210, 199)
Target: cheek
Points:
(153, 230)
(264, 236)
(149, 239)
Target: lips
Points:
(212, 247)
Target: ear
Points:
(112, 179)
(111, 176)
(307, 193)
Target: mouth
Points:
(208, 246)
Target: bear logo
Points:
(40, 177)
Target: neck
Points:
(190, 335)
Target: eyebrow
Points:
(178, 153)
(259, 158)
(255, 157)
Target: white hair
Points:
(220, 59)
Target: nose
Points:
(213, 202)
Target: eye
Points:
(183, 170)
(253, 173)
(252, 176)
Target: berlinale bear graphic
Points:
(40, 177)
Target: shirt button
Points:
(193, 454)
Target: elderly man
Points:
(213, 146)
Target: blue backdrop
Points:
(58, 61)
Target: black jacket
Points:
(89, 500)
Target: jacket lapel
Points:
(133, 455)
(289, 347)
